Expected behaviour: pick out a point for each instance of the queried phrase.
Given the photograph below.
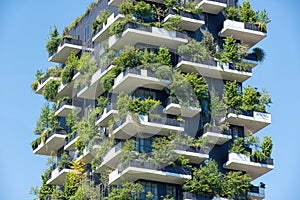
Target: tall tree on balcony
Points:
(54, 41)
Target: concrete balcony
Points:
(190, 22)
(247, 33)
(245, 163)
(251, 120)
(173, 108)
(64, 50)
(212, 6)
(256, 193)
(103, 34)
(53, 143)
(89, 154)
(215, 135)
(111, 160)
(70, 142)
(110, 112)
(65, 107)
(42, 84)
(144, 124)
(68, 90)
(94, 90)
(195, 155)
(214, 69)
(58, 176)
(143, 170)
(137, 33)
(133, 78)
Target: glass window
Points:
(171, 190)
(87, 33)
(149, 187)
(143, 144)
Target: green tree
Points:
(230, 51)
(207, 180)
(236, 184)
(231, 95)
(54, 41)
(267, 146)
(247, 14)
(217, 106)
(126, 192)
(193, 50)
(248, 98)
(163, 56)
(143, 9)
(71, 65)
(199, 85)
(173, 23)
(262, 19)
(51, 89)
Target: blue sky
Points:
(23, 34)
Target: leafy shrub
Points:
(51, 89)
(53, 42)
(68, 71)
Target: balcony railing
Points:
(253, 27)
(148, 165)
(68, 41)
(186, 14)
(64, 102)
(72, 137)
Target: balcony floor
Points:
(212, 7)
(135, 173)
(58, 178)
(158, 37)
(213, 71)
(176, 109)
(216, 138)
(242, 163)
(52, 144)
(63, 52)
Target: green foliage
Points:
(247, 14)
(170, 3)
(73, 179)
(217, 105)
(105, 146)
(107, 81)
(117, 27)
(163, 72)
(65, 161)
(126, 8)
(193, 50)
(126, 191)
(163, 151)
(71, 121)
(191, 6)
(182, 89)
(54, 41)
(207, 180)
(143, 9)
(100, 20)
(267, 146)
(122, 105)
(199, 85)
(50, 90)
(230, 51)
(163, 56)
(260, 156)
(129, 57)
(43, 122)
(72, 64)
(128, 152)
(264, 100)
(262, 19)
(57, 194)
(101, 104)
(260, 54)
(84, 192)
(248, 98)
(108, 58)
(173, 23)
(231, 95)
(87, 131)
(148, 58)
(45, 189)
(182, 162)
(53, 72)
(87, 67)
(167, 197)
(79, 146)
(232, 13)
(209, 44)
(238, 146)
(236, 184)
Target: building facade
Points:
(152, 92)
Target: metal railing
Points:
(64, 102)
(253, 27)
(186, 14)
(73, 136)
